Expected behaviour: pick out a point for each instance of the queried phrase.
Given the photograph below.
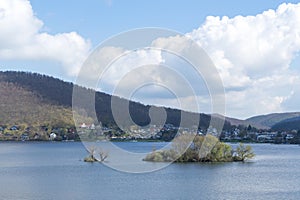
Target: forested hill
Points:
(34, 99)
(287, 124)
(24, 102)
(276, 120)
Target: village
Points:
(92, 132)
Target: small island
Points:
(95, 155)
(201, 149)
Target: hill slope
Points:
(22, 106)
(36, 99)
(287, 124)
(272, 119)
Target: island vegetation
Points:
(201, 149)
(95, 154)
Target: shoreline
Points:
(130, 141)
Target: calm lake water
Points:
(45, 171)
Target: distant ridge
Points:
(287, 124)
(271, 120)
(275, 121)
(241, 122)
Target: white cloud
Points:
(125, 65)
(265, 95)
(147, 74)
(21, 38)
(253, 56)
(255, 44)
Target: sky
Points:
(254, 45)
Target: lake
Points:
(55, 170)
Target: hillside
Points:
(21, 106)
(271, 119)
(37, 99)
(274, 121)
(240, 122)
(287, 124)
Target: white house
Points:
(83, 125)
(52, 136)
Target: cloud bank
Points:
(253, 55)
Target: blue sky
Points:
(43, 36)
(100, 19)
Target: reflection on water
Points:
(56, 171)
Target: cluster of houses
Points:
(9, 135)
(259, 136)
(151, 132)
(17, 133)
(236, 135)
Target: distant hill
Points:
(33, 98)
(241, 122)
(270, 120)
(287, 124)
(275, 121)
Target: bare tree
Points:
(91, 157)
(102, 154)
(96, 151)
(92, 150)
